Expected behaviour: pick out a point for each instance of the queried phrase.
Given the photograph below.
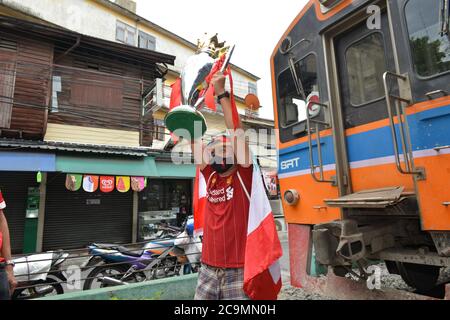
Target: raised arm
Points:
(241, 147)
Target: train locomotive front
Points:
(362, 104)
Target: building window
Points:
(365, 67)
(252, 88)
(147, 41)
(125, 33)
(97, 90)
(159, 130)
(56, 88)
(430, 49)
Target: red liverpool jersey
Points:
(226, 218)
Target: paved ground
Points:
(284, 261)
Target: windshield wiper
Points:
(298, 83)
(445, 17)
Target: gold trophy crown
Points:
(212, 46)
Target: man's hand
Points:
(218, 81)
(11, 279)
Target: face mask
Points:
(222, 165)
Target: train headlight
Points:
(291, 197)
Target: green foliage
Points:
(428, 57)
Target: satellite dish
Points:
(252, 102)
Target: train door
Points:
(427, 26)
(362, 57)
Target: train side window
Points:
(365, 61)
(292, 107)
(430, 49)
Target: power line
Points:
(105, 119)
(68, 70)
(69, 109)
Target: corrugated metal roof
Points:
(73, 147)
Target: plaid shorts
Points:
(220, 284)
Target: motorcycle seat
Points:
(105, 246)
(127, 252)
(121, 249)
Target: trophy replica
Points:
(187, 116)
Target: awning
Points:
(27, 161)
(171, 170)
(141, 167)
(74, 147)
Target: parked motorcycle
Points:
(158, 259)
(39, 275)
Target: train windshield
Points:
(291, 104)
(430, 46)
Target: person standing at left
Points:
(7, 281)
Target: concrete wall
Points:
(78, 15)
(175, 288)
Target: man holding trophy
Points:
(226, 173)
(226, 169)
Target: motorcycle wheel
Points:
(116, 272)
(46, 288)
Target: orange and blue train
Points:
(362, 106)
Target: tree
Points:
(428, 57)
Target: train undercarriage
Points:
(383, 225)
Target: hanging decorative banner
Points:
(73, 181)
(90, 183)
(39, 177)
(107, 183)
(123, 184)
(137, 183)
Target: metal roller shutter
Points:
(14, 186)
(75, 219)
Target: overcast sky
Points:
(255, 26)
